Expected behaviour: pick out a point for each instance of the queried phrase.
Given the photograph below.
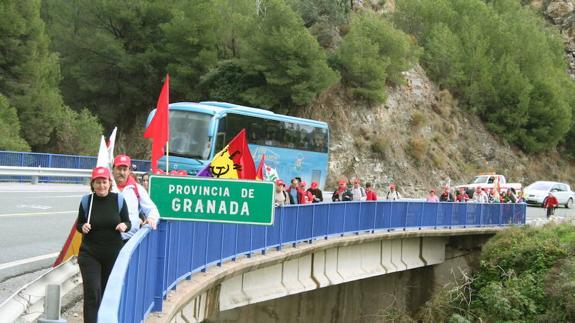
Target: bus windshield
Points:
(189, 135)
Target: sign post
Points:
(213, 200)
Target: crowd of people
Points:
(298, 193)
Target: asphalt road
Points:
(36, 219)
(34, 223)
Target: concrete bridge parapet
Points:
(307, 267)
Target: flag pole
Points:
(167, 155)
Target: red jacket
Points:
(551, 202)
(370, 195)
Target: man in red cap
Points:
(342, 194)
(392, 195)
(316, 194)
(136, 196)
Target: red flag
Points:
(239, 152)
(159, 129)
(260, 171)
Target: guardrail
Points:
(38, 172)
(26, 160)
(27, 304)
(153, 262)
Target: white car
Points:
(538, 191)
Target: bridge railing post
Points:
(160, 267)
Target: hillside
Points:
(421, 139)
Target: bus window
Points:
(188, 133)
(275, 133)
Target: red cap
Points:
(182, 172)
(314, 185)
(158, 172)
(122, 160)
(432, 190)
(392, 186)
(173, 172)
(302, 184)
(356, 181)
(279, 182)
(100, 172)
(342, 182)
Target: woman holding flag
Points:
(101, 218)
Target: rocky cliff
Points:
(420, 139)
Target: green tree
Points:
(112, 54)
(287, 62)
(76, 133)
(501, 61)
(10, 128)
(30, 72)
(372, 54)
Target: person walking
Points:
(316, 193)
(307, 197)
(550, 204)
(462, 196)
(136, 196)
(295, 193)
(342, 193)
(370, 193)
(392, 195)
(446, 196)
(432, 197)
(357, 191)
(281, 197)
(102, 217)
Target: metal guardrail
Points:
(40, 171)
(52, 161)
(153, 262)
(27, 304)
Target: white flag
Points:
(111, 144)
(103, 157)
(270, 174)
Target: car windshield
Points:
(479, 180)
(189, 134)
(540, 186)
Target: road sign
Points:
(213, 200)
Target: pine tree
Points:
(30, 72)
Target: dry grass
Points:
(418, 148)
(417, 120)
(380, 145)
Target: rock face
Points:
(420, 139)
(561, 13)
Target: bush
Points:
(79, 133)
(511, 281)
(380, 145)
(372, 54)
(417, 119)
(418, 148)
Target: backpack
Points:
(86, 199)
(362, 191)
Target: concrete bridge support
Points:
(354, 280)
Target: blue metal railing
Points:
(153, 262)
(23, 159)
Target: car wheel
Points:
(569, 203)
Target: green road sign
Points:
(213, 200)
